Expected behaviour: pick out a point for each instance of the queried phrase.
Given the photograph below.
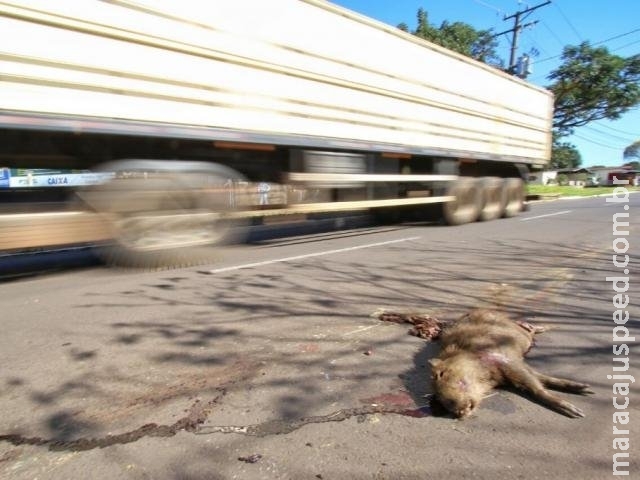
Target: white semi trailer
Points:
(203, 113)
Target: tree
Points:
(463, 38)
(632, 151)
(564, 155)
(424, 29)
(635, 165)
(593, 84)
(459, 37)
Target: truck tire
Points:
(467, 204)
(165, 214)
(515, 195)
(494, 196)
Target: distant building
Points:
(544, 177)
(605, 175)
(576, 177)
(586, 176)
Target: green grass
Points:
(568, 191)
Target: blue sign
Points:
(5, 176)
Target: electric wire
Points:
(610, 135)
(566, 19)
(626, 132)
(485, 4)
(553, 34)
(600, 43)
(611, 147)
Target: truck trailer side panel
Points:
(281, 71)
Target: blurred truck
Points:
(196, 116)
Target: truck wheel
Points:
(165, 214)
(493, 198)
(467, 204)
(167, 237)
(515, 194)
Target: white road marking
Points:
(310, 255)
(359, 330)
(547, 215)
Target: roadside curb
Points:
(538, 198)
(542, 197)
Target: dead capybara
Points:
(485, 349)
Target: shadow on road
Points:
(287, 344)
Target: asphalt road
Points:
(267, 363)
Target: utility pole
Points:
(518, 17)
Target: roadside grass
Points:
(569, 191)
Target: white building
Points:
(605, 174)
(544, 177)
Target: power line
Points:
(566, 19)
(553, 34)
(540, 77)
(536, 48)
(492, 7)
(610, 51)
(625, 46)
(609, 135)
(618, 36)
(635, 134)
(599, 43)
(597, 143)
(484, 4)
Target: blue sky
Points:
(563, 22)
